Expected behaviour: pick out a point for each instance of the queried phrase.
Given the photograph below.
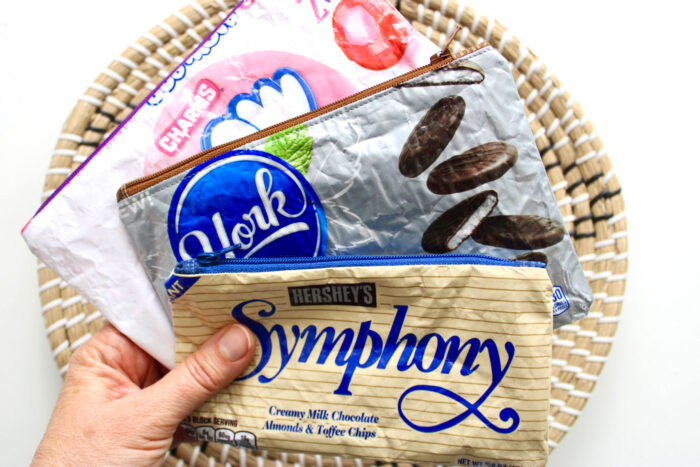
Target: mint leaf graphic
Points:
(294, 145)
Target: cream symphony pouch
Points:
(421, 359)
(438, 160)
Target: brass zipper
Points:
(436, 61)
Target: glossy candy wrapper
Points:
(267, 62)
(443, 163)
(426, 359)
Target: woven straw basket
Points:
(579, 171)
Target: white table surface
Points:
(634, 69)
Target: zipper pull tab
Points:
(207, 259)
(193, 265)
(445, 52)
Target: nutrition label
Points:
(322, 422)
(199, 428)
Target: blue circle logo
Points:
(561, 303)
(247, 197)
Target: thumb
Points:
(201, 375)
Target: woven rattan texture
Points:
(579, 170)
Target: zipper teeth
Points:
(140, 184)
(206, 265)
(330, 259)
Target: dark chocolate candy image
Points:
(454, 73)
(431, 135)
(453, 226)
(533, 256)
(519, 232)
(475, 167)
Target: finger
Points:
(111, 365)
(201, 375)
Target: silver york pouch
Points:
(420, 359)
(439, 160)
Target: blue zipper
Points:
(214, 263)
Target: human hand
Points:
(118, 407)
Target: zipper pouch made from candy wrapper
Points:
(421, 359)
(439, 160)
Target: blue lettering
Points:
(498, 372)
(328, 345)
(284, 354)
(453, 352)
(393, 341)
(268, 309)
(349, 346)
(437, 357)
(353, 361)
